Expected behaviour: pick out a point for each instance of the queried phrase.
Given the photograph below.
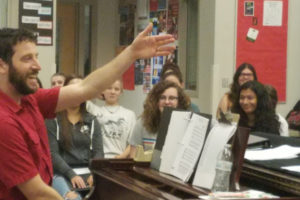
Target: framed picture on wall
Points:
(249, 8)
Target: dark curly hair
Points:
(266, 119)
(151, 113)
(9, 38)
(235, 86)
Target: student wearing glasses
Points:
(244, 73)
(171, 72)
(163, 94)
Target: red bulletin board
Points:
(268, 52)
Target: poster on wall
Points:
(157, 63)
(37, 16)
(172, 20)
(164, 16)
(127, 15)
(262, 40)
(147, 79)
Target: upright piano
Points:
(125, 179)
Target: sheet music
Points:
(293, 168)
(81, 170)
(280, 152)
(190, 147)
(174, 136)
(216, 140)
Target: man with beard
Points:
(25, 164)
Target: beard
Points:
(18, 80)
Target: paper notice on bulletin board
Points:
(262, 40)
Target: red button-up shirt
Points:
(24, 147)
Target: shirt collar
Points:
(9, 103)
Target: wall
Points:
(293, 58)
(3, 13)
(107, 31)
(216, 51)
(46, 53)
(224, 54)
(217, 31)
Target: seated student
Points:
(293, 118)
(116, 122)
(74, 138)
(170, 67)
(163, 94)
(255, 110)
(171, 72)
(58, 79)
(284, 127)
(245, 72)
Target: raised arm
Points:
(144, 46)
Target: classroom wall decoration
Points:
(37, 16)
(164, 16)
(262, 40)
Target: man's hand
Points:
(78, 182)
(146, 46)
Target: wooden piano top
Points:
(124, 179)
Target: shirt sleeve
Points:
(47, 101)
(59, 164)
(131, 124)
(97, 142)
(284, 127)
(16, 163)
(136, 137)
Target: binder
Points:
(180, 138)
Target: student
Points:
(171, 72)
(116, 122)
(245, 72)
(25, 164)
(284, 127)
(293, 117)
(58, 79)
(75, 138)
(170, 67)
(163, 94)
(255, 110)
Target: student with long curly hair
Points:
(163, 94)
(255, 109)
(245, 72)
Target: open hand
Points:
(145, 46)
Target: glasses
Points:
(169, 98)
(246, 74)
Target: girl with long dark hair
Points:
(75, 138)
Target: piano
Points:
(125, 179)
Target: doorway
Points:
(74, 35)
